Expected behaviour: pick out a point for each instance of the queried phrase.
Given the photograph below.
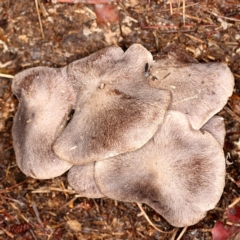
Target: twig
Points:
(184, 12)
(232, 179)
(34, 206)
(236, 201)
(85, 1)
(63, 187)
(3, 212)
(204, 230)
(194, 38)
(196, 18)
(156, 40)
(236, 75)
(150, 222)
(24, 218)
(179, 8)
(228, 18)
(6, 75)
(171, 9)
(71, 201)
(33, 234)
(14, 200)
(183, 7)
(174, 234)
(7, 232)
(16, 185)
(4, 65)
(39, 19)
(181, 234)
(233, 114)
(50, 189)
(96, 205)
(43, 9)
(233, 224)
(50, 235)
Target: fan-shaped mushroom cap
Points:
(198, 90)
(216, 127)
(116, 111)
(180, 172)
(45, 99)
(81, 178)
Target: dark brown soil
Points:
(48, 209)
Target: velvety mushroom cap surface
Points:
(116, 111)
(45, 99)
(198, 90)
(81, 178)
(180, 172)
(216, 127)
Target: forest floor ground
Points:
(47, 209)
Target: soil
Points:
(48, 209)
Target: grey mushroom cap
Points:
(198, 90)
(180, 172)
(116, 111)
(45, 99)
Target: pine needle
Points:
(181, 234)
(6, 75)
(39, 18)
(150, 222)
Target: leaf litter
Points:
(49, 209)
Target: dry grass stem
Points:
(174, 234)
(34, 206)
(194, 38)
(205, 230)
(69, 202)
(236, 75)
(228, 18)
(231, 179)
(43, 9)
(236, 201)
(197, 18)
(150, 222)
(39, 18)
(184, 12)
(14, 186)
(181, 234)
(6, 75)
(233, 114)
(233, 224)
(51, 189)
(9, 234)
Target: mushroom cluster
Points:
(128, 127)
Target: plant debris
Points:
(49, 209)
